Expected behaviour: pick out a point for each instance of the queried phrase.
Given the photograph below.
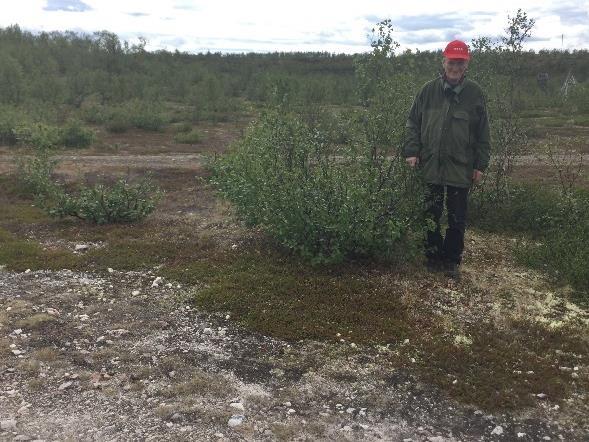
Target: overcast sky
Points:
(302, 25)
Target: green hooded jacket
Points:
(448, 130)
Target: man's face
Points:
(454, 69)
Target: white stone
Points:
(82, 247)
(52, 311)
(237, 405)
(291, 411)
(287, 404)
(498, 430)
(541, 396)
(520, 435)
(18, 331)
(236, 420)
(28, 271)
(110, 270)
(207, 330)
(347, 428)
(8, 425)
(135, 292)
(65, 385)
(350, 410)
(156, 282)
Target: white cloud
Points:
(264, 25)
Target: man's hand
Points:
(477, 176)
(412, 161)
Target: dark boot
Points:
(452, 271)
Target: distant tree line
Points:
(68, 68)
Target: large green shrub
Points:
(325, 202)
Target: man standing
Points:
(448, 138)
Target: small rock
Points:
(82, 247)
(291, 411)
(227, 317)
(347, 428)
(520, 435)
(237, 405)
(176, 417)
(135, 292)
(17, 332)
(541, 396)
(156, 282)
(8, 425)
(546, 438)
(498, 430)
(16, 352)
(287, 404)
(110, 270)
(236, 420)
(28, 271)
(84, 317)
(207, 331)
(52, 311)
(575, 375)
(65, 385)
(350, 410)
(219, 435)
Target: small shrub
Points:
(118, 121)
(192, 137)
(10, 120)
(39, 136)
(34, 175)
(555, 226)
(120, 203)
(145, 115)
(74, 134)
(181, 128)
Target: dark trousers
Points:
(450, 247)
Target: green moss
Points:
(503, 369)
(284, 297)
(19, 255)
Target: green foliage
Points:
(74, 134)
(41, 137)
(556, 226)
(118, 121)
(101, 204)
(326, 200)
(122, 202)
(35, 175)
(326, 203)
(191, 137)
(10, 120)
(498, 67)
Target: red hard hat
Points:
(457, 49)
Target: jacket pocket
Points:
(460, 149)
